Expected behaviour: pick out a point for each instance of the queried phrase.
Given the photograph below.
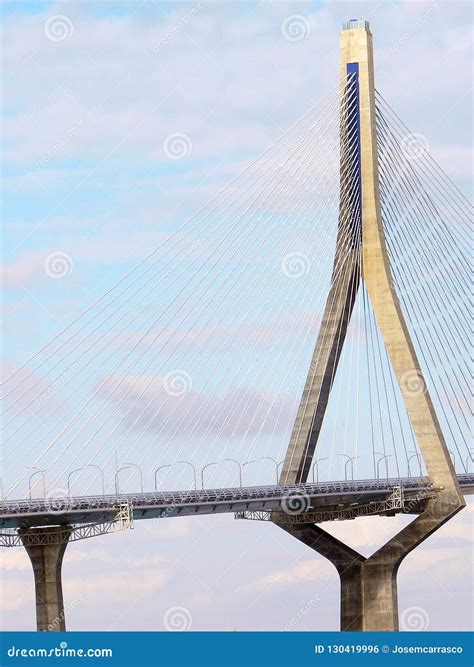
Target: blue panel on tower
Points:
(353, 147)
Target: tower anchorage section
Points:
(368, 585)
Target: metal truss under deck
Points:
(123, 520)
(393, 504)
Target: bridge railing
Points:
(233, 494)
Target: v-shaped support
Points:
(368, 586)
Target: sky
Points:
(92, 92)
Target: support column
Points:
(369, 599)
(348, 562)
(379, 594)
(368, 585)
(45, 548)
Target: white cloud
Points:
(307, 571)
(228, 80)
(14, 560)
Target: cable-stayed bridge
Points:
(329, 501)
(298, 351)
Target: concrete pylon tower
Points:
(368, 585)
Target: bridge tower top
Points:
(357, 69)
(357, 59)
(356, 24)
(361, 250)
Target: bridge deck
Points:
(87, 509)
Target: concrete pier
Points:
(46, 547)
(369, 585)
